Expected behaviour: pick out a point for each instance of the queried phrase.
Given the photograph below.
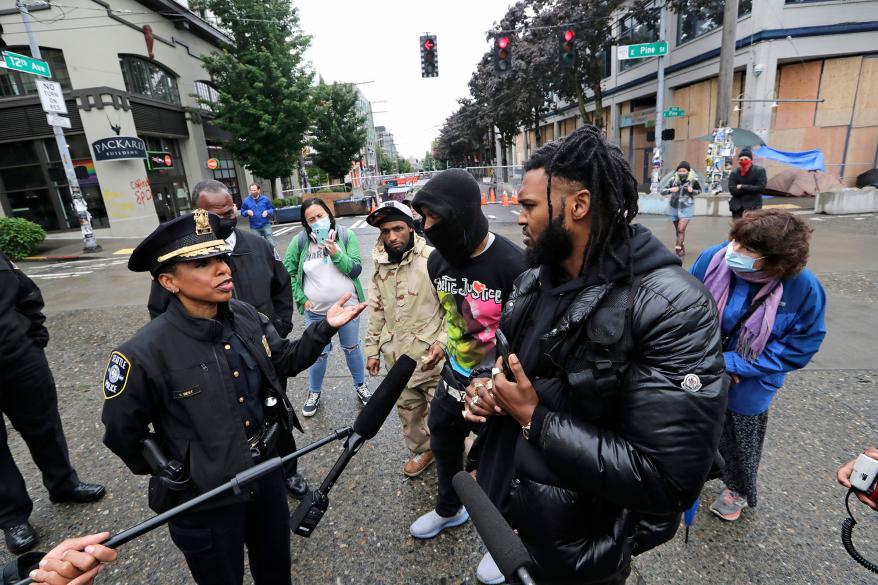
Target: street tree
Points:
(403, 165)
(339, 130)
(385, 163)
(428, 162)
(263, 84)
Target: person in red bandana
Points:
(746, 184)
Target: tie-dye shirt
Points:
(472, 296)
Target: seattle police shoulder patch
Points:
(116, 376)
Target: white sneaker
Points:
(488, 571)
(431, 524)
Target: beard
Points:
(552, 247)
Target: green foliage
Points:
(339, 130)
(403, 165)
(316, 176)
(263, 83)
(19, 236)
(428, 164)
(286, 201)
(385, 163)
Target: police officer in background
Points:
(30, 402)
(260, 280)
(205, 374)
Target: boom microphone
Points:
(307, 515)
(505, 547)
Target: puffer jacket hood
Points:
(453, 195)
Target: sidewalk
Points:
(70, 248)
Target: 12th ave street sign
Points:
(26, 64)
(643, 51)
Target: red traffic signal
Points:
(503, 42)
(567, 48)
(569, 35)
(429, 44)
(429, 61)
(502, 55)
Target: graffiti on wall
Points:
(142, 191)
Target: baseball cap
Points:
(390, 211)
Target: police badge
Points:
(116, 376)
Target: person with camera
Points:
(772, 319)
(683, 189)
(613, 402)
(205, 374)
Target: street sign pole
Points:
(659, 110)
(90, 243)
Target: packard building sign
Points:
(119, 148)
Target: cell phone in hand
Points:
(503, 348)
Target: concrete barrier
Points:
(847, 201)
(705, 205)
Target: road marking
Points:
(61, 274)
(126, 251)
(358, 224)
(515, 211)
(781, 206)
(285, 230)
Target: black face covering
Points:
(226, 226)
(450, 239)
(553, 246)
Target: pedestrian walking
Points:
(205, 374)
(324, 264)
(683, 189)
(405, 318)
(258, 208)
(772, 309)
(473, 271)
(260, 280)
(29, 400)
(746, 184)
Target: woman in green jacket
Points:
(324, 264)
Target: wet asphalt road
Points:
(822, 417)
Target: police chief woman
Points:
(205, 374)
(772, 310)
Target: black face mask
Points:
(226, 226)
(553, 246)
(448, 237)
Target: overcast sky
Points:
(378, 40)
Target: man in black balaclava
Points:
(473, 273)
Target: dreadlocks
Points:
(587, 158)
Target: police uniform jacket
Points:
(260, 279)
(173, 374)
(21, 313)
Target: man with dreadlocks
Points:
(619, 393)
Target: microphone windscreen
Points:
(383, 400)
(505, 546)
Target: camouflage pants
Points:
(413, 407)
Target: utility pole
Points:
(659, 108)
(90, 243)
(726, 63)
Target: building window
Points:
(633, 32)
(694, 23)
(14, 83)
(207, 95)
(145, 78)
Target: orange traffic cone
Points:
(374, 207)
(493, 196)
(484, 199)
(505, 199)
(514, 198)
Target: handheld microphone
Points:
(505, 546)
(307, 515)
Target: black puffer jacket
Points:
(595, 466)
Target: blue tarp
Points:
(810, 160)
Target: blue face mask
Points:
(740, 262)
(320, 228)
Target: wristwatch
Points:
(525, 431)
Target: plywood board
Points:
(831, 141)
(838, 86)
(700, 119)
(862, 149)
(797, 81)
(790, 139)
(866, 107)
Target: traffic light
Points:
(503, 54)
(429, 58)
(567, 49)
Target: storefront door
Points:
(167, 178)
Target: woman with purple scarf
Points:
(772, 311)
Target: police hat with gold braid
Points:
(189, 237)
